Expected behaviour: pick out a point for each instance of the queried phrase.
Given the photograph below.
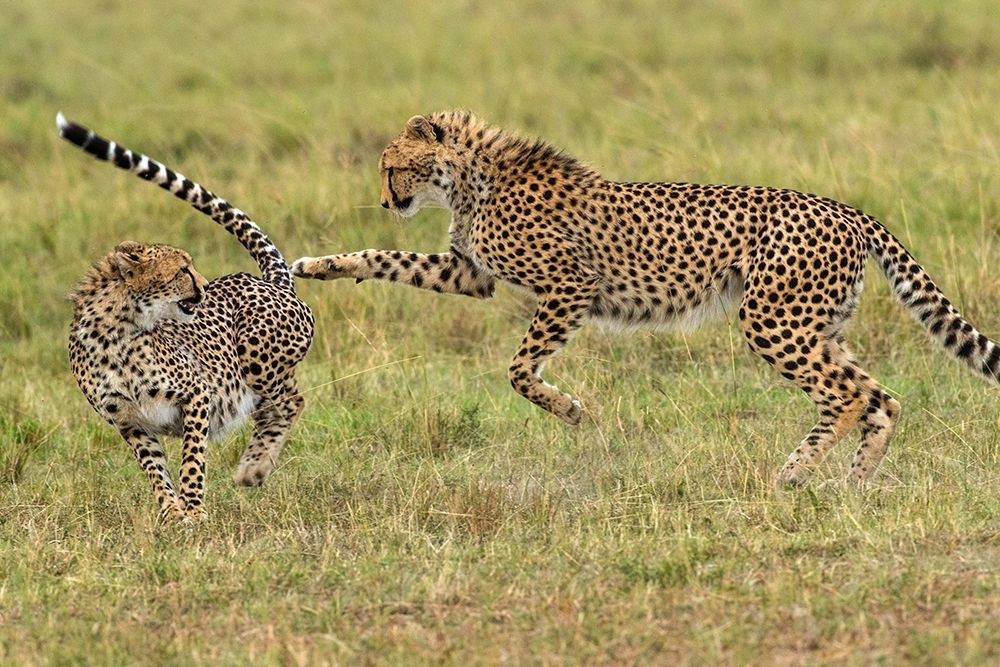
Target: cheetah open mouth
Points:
(188, 306)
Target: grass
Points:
(423, 513)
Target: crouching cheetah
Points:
(159, 350)
(656, 254)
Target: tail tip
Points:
(61, 122)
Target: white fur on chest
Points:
(158, 416)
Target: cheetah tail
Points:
(235, 221)
(915, 290)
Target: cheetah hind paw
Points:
(253, 473)
(794, 475)
(573, 413)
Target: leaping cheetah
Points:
(656, 254)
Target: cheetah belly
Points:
(625, 308)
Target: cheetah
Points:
(159, 350)
(633, 254)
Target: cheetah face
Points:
(162, 283)
(414, 169)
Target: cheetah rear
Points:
(657, 254)
(159, 350)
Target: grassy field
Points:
(423, 513)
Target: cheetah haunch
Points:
(159, 350)
(657, 254)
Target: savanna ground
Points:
(423, 513)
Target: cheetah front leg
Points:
(448, 272)
(192, 474)
(153, 461)
(559, 315)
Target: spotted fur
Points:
(633, 254)
(159, 350)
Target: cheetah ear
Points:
(419, 127)
(127, 257)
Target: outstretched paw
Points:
(318, 268)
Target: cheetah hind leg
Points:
(863, 402)
(877, 420)
(272, 423)
(839, 388)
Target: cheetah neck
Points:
(469, 193)
(488, 159)
(104, 311)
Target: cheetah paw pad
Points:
(305, 267)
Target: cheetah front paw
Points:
(330, 267)
(317, 268)
(834, 484)
(195, 514)
(173, 515)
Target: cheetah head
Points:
(159, 280)
(415, 169)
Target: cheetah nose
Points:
(385, 203)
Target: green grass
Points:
(423, 513)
